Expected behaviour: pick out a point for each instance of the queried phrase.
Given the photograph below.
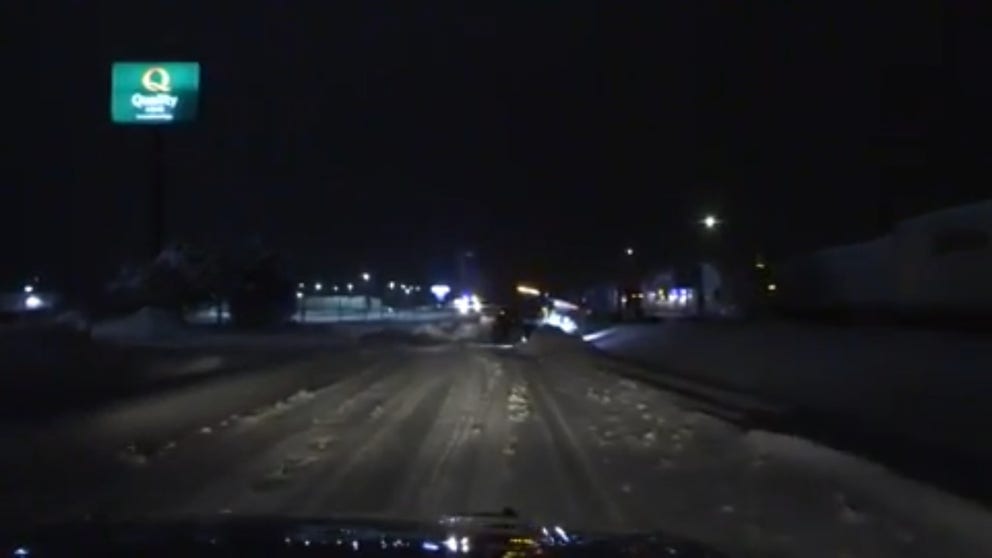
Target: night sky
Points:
(545, 136)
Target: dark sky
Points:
(543, 135)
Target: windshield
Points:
(714, 270)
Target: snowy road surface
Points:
(414, 430)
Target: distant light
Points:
(439, 291)
(301, 286)
(32, 302)
(772, 287)
(596, 335)
(561, 533)
(21, 551)
(351, 287)
(299, 294)
(465, 546)
(28, 288)
(527, 290)
(475, 304)
(366, 277)
(710, 221)
(392, 285)
(562, 322)
(430, 546)
(452, 543)
(559, 304)
(759, 265)
(335, 288)
(629, 251)
(462, 304)
(318, 286)
(417, 288)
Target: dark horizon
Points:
(544, 139)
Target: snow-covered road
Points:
(416, 430)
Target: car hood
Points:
(460, 535)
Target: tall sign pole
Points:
(156, 94)
(156, 196)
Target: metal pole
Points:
(156, 199)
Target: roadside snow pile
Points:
(865, 493)
(147, 324)
(457, 331)
(73, 319)
(919, 385)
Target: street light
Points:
(351, 287)
(710, 221)
(366, 277)
(392, 285)
(335, 288)
(629, 251)
(318, 287)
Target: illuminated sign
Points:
(154, 92)
(440, 291)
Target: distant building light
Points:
(772, 287)
(392, 285)
(299, 294)
(351, 287)
(301, 286)
(318, 286)
(759, 265)
(629, 251)
(28, 288)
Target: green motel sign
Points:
(154, 92)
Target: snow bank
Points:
(925, 386)
(146, 324)
(861, 485)
(452, 331)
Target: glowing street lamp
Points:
(351, 287)
(629, 251)
(366, 277)
(318, 287)
(710, 221)
(528, 290)
(392, 285)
